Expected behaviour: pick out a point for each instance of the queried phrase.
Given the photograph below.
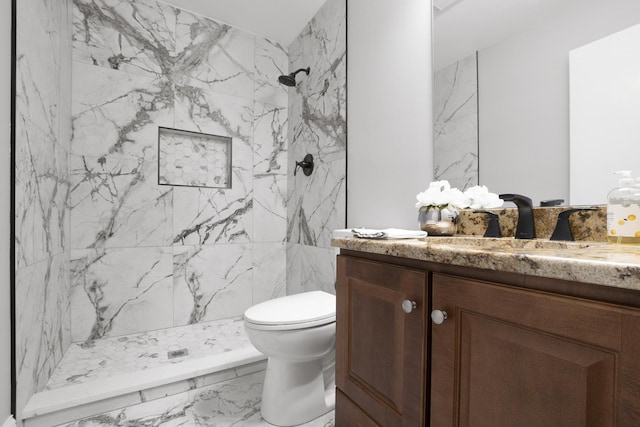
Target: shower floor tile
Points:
(92, 360)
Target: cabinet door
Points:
(513, 357)
(380, 349)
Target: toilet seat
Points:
(298, 311)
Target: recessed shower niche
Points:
(193, 159)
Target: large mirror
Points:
(501, 89)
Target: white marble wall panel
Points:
(455, 104)
(270, 129)
(140, 65)
(42, 192)
(210, 216)
(132, 36)
(270, 172)
(42, 323)
(316, 205)
(204, 216)
(269, 271)
(38, 63)
(271, 61)
(42, 126)
(317, 125)
(117, 203)
(120, 291)
(269, 209)
(211, 282)
(117, 114)
(201, 110)
(213, 56)
(310, 268)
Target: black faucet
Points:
(563, 229)
(493, 224)
(526, 228)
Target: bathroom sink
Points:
(505, 243)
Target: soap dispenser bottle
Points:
(623, 211)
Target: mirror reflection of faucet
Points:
(552, 202)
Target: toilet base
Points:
(295, 392)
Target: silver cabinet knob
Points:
(438, 316)
(408, 306)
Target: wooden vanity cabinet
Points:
(513, 357)
(514, 350)
(381, 350)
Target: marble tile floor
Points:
(230, 403)
(94, 360)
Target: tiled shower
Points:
(122, 230)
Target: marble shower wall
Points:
(455, 107)
(147, 256)
(316, 205)
(43, 134)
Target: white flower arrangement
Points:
(480, 198)
(441, 196)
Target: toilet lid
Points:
(315, 307)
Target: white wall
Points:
(389, 114)
(524, 98)
(5, 185)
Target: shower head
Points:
(290, 80)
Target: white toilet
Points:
(297, 333)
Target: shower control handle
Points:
(306, 164)
(408, 306)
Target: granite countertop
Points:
(590, 262)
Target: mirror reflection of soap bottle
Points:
(623, 211)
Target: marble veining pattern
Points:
(231, 403)
(120, 291)
(271, 59)
(310, 268)
(213, 56)
(211, 282)
(108, 252)
(104, 358)
(455, 104)
(143, 65)
(116, 114)
(115, 203)
(43, 133)
(317, 125)
(135, 37)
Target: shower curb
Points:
(69, 403)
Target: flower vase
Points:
(437, 221)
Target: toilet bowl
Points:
(297, 333)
